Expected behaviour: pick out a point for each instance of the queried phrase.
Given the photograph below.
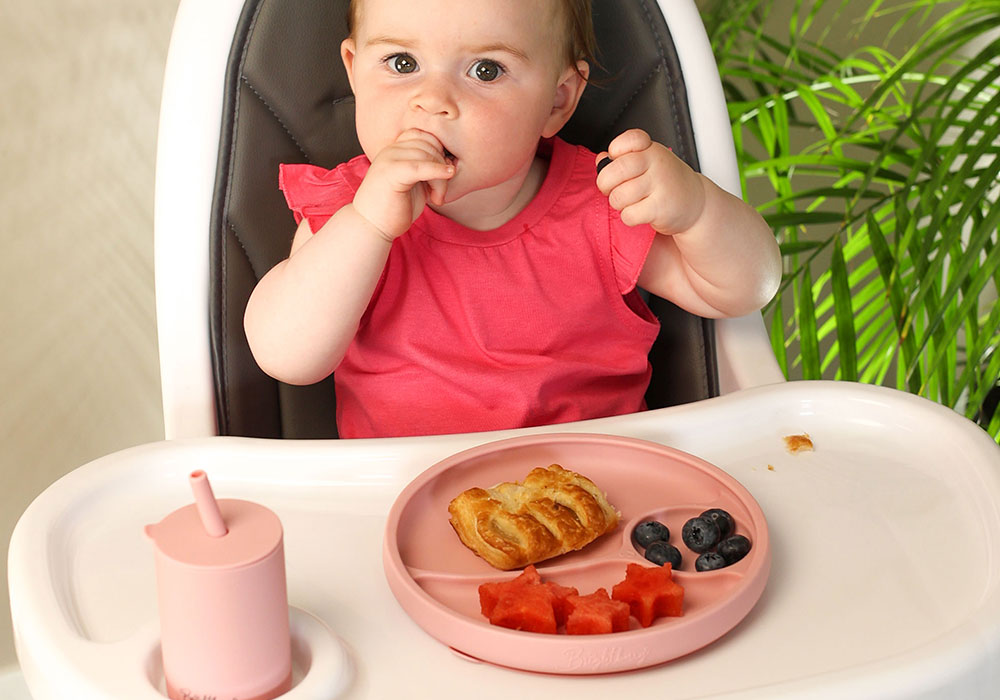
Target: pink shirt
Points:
(536, 322)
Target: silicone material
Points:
(436, 578)
(223, 601)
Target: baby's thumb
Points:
(436, 191)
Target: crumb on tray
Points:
(798, 443)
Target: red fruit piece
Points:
(596, 613)
(650, 593)
(525, 603)
(528, 608)
(560, 598)
(491, 592)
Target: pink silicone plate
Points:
(436, 578)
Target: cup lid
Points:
(254, 532)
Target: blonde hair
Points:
(581, 44)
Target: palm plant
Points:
(878, 173)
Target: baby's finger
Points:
(620, 170)
(424, 140)
(628, 193)
(639, 213)
(629, 142)
(421, 135)
(409, 172)
(436, 191)
(416, 151)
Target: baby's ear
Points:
(569, 89)
(348, 50)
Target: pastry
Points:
(551, 512)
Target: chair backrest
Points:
(286, 99)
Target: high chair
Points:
(277, 92)
(876, 545)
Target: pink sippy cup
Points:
(220, 574)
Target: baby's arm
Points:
(304, 313)
(717, 256)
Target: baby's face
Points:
(481, 76)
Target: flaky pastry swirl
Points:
(551, 512)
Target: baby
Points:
(471, 271)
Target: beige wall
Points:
(79, 96)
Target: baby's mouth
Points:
(450, 157)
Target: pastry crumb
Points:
(798, 443)
(770, 467)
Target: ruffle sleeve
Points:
(629, 247)
(315, 194)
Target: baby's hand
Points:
(402, 179)
(648, 184)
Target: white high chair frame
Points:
(187, 153)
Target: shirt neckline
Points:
(441, 228)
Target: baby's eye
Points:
(401, 63)
(486, 70)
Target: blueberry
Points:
(734, 548)
(644, 534)
(700, 534)
(709, 561)
(660, 553)
(723, 519)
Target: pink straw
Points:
(208, 508)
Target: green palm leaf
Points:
(878, 174)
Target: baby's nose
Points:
(435, 96)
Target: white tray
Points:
(884, 582)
